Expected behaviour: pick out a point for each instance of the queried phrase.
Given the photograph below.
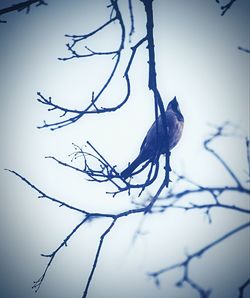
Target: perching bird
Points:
(151, 147)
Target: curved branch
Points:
(87, 217)
(92, 107)
(184, 265)
(51, 256)
(219, 132)
(148, 207)
(21, 6)
(243, 287)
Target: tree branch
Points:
(97, 257)
(92, 108)
(244, 49)
(184, 265)
(21, 6)
(226, 7)
(219, 132)
(151, 205)
(152, 82)
(243, 287)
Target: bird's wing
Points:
(150, 140)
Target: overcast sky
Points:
(197, 61)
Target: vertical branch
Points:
(152, 81)
(248, 154)
(97, 257)
(132, 28)
(243, 287)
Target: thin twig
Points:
(185, 263)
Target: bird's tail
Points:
(130, 169)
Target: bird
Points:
(155, 142)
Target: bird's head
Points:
(174, 106)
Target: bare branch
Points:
(97, 257)
(132, 29)
(102, 171)
(152, 82)
(153, 204)
(87, 217)
(92, 108)
(219, 132)
(226, 7)
(243, 287)
(98, 169)
(248, 154)
(21, 6)
(184, 265)
(43, 195)
(244, 49)
(51, 256)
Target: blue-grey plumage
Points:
(156, 143)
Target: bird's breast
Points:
(175, 133)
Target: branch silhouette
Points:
(70, 116)
(173, 200)
(156, 204)
(87, 216)
(184, 265)
(243, 287)
(244, 49)
(98, 169)
(105, 172)
(226, 7)
(26, 5)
